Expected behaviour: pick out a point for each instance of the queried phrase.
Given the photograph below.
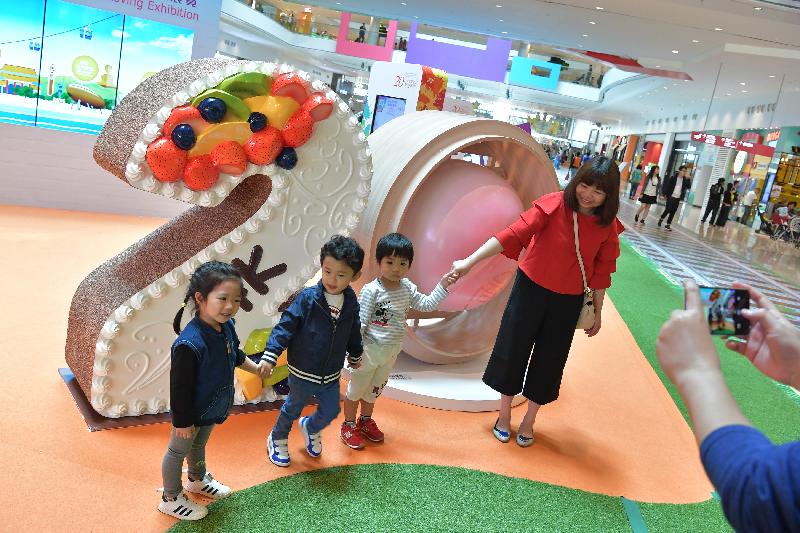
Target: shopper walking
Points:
(747, 202)
(635, 179)
(714, 199)
(728, 199)
(674, 191)
(652, 185)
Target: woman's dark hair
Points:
(344, 249)
(652, 172)
(638, 167)
(204, 280)
(603, 173)
(395, 244)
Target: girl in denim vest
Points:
(201, 385)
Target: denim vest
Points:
(216, 359)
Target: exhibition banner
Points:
(202, 16)
(741, 145)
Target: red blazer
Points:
(545, 231)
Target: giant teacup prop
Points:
(276, 164)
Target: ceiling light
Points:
(758, 8)
(727, 94)
(584, 35)
(504, 32)
(592, 22)
(717, 29)
(676, 51)
(742, 83)
(497, 5)
(599, 8)
(501, 20)
(403, 3)
(744, 91)
(658, 66)
(695, 41)
(772, 75)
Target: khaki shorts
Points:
(368, 380)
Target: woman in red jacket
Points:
(548, 291)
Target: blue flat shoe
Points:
(502, 436)
(524, 442)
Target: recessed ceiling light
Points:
(717, 29)
(758, 8)
(503, 32)
(501, 20)
(599, 8)
(744, 91)
(727, 94)
(695, 41)
(592, 22)
(658, 66)
(497, 5)
(403, 3)
(416, 17)
(584, 35)
(772, 75)
(742, 83)
(676, 51)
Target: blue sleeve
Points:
(284, 331)
(355, 344)
(758, 482)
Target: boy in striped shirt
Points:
(384, 304)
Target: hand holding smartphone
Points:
(722, 307)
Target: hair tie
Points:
(183, 304)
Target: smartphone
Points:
(722, 307)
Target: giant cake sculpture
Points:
(275, 163)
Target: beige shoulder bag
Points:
(586, 318)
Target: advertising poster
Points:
(65, 66)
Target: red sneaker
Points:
(351, 436)
(370, 429)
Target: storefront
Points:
(684, 153)
(784, 186)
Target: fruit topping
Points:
(258, 121)
(185, 114)
(226, 131)
(291, 85)
(212, 109)
(277, 109)
(229, 157)
(263, 147)
(246, 84)
(298, 130)
(200, 173)
(166, 160)
(183, 136)
(318, 107)
(232, 103)
(287, 158)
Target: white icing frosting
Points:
(306, 206)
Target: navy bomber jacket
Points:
(316, 343)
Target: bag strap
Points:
(586, 290)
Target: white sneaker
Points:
(209, 487)
(182, 508)
(313, 440)
(278, 451)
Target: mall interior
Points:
(439, 119)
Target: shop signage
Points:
(773, 135)
(727, 142)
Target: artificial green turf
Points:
(394, 497)
(434, 498)
(645, 299)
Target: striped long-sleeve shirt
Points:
(383, 312)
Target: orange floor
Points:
(615, 430)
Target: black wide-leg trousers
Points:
(539, 319)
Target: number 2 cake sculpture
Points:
(275, 163)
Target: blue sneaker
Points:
(278, 451)
(313, 440)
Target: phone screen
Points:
(722, 307)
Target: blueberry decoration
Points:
(258, 121)
(287, 158)
(183, 136)
(212, 109)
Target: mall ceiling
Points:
(738, 49)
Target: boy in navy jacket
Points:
(318, 329)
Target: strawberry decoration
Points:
(229, 157)
(200, 173)
(264, 146)
(317, 106)
(185, 114)
(291, 85)
(298, 129)
(166, 160)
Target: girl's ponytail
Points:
(176, 323)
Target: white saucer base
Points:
(455, 387)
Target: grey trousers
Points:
(193, 449)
